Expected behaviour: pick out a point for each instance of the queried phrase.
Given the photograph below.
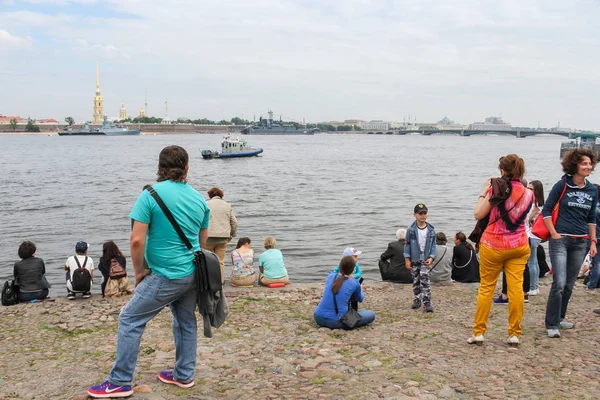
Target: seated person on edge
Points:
(110, 250)
(441, 267)
(270, 263)
(392, 264)
(465, 263)
(29, 274)
(242, 258)
(78, 282)
(338, 285)
(352, 252)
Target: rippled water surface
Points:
(314, 194)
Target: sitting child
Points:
(352, 252)
(78, 280)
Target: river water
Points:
(315, 194)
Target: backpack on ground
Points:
(81, 281)
(116, 270)
(10, 295)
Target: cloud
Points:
(10, 42)
(105, 51)
(326, 59)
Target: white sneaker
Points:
(478, 340)
(513, 341)
(553, 333)
(534, 292)
(566, 325)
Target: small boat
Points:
(107, 129)
(231, 147)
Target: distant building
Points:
(98, 116)
(5, 119)
(491, 123)
(142, 115)
(357, 123)
(377, 125)
(47, 121)
(122, 112)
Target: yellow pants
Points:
(491, 263)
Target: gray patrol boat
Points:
(107, 129)
(267, 126)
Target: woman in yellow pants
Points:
(504, 245)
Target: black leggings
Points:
(526, 279)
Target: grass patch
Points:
(317, 380)
(148, 350)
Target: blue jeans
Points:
(367, 316)
(595, 272)
(151, 296)
(567, 255)
(532, 264)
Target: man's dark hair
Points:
(440, 238)
(26, 249)
(171, 164)
(571, 160)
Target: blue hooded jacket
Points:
(577, 207)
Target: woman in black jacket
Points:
(465, 265)
(29, 274)
(110, 250)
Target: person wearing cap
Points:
(419, 253)
(392, 265)
(352, 252)
(79, 260)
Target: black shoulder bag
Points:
(207, 264)
(350, 319)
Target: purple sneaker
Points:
(167, 377)
(107, 390)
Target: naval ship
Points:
(267, 126)
(107, 129)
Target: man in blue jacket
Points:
(419, 253)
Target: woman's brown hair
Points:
(512, 166)
(463, 239)
(26, 249)
(110, 250)
(347, 264)
(242, 241)
(571, 160)
(215, 191)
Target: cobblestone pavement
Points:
(270, 348)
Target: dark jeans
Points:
(526, 280)
(567, 255)
(28, 296)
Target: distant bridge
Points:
(520, 133)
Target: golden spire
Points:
(98, 115)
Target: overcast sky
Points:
(528, 61)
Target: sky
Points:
(531, 62)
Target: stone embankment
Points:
(270, 348)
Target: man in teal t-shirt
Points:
(171, 279)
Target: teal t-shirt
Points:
(272, 263)
(166, 253)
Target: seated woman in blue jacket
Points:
(343, 287)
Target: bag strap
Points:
(506, 213)
(439, 259)
(471, 251)
(560, 198)
(77, 261)
(169, 216)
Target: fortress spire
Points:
(98, 115)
